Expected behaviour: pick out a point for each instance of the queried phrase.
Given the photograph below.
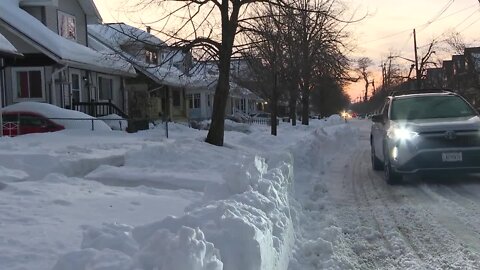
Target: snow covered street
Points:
(354, 220)
(307, 199)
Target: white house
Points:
(58, 67)
(201, 90)
(159, 90)
(7, 50)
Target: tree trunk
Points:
(305, 105)
(292, 104)
(217, 127)
(274, 107)
(366, 91)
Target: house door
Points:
(75, 86)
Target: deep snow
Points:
(113, 200)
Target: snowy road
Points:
(422, 224)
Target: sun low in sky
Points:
(386, 29)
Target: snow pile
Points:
(83, 121)
(115, 122)
(145, 202)
(320, 243)
(243, 222)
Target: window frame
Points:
(194, 101)
(68, 16)
(99, 77)
(15, 89)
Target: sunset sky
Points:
(387, 28)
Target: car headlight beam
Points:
(402, 134)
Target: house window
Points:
(242, 105)
(67, 26)
(151, 57)
(194, 101)
(28, 83)
(105, 88)
(176, 98)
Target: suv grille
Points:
(439, 140)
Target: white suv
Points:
(425, 132)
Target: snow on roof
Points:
(116, 35)
(52, 111)
(121, 33)
(6, 46)
(62, 50)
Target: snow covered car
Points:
(36, 117)
(19, 123)
(425, 132)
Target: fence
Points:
(261, 121)
(23, 126)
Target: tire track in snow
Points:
(416, 217)
(461, 217)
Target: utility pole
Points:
(418, 81)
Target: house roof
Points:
(6, 48)
(114, 36)
(60, 49)
(118, 34)
(88, 7)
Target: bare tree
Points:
(362, 68)
(456, 42)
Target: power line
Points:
(436, 17)
(422, 25)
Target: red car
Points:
(19, 123)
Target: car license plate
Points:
(452, 157)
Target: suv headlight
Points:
(401, 133)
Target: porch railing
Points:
(96, 109)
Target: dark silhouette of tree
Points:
(362, 68)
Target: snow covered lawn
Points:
(78, 199)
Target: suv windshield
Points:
(424, 107)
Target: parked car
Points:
(34, 117)
(425, 132)
(19, 123)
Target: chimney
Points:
(149, 29)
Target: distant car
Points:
(19, 123)
(425, 132)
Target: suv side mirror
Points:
(377, 118)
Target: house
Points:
(7, 50)
(159, 90)
(170, 83)
(58, 66)
(201, 88)
(472, 69)
(434, 78)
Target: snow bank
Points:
(319, 241)
(115, 121)
(243, 222)
(52, 111)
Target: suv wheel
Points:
(391, 177)
(376, 163)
